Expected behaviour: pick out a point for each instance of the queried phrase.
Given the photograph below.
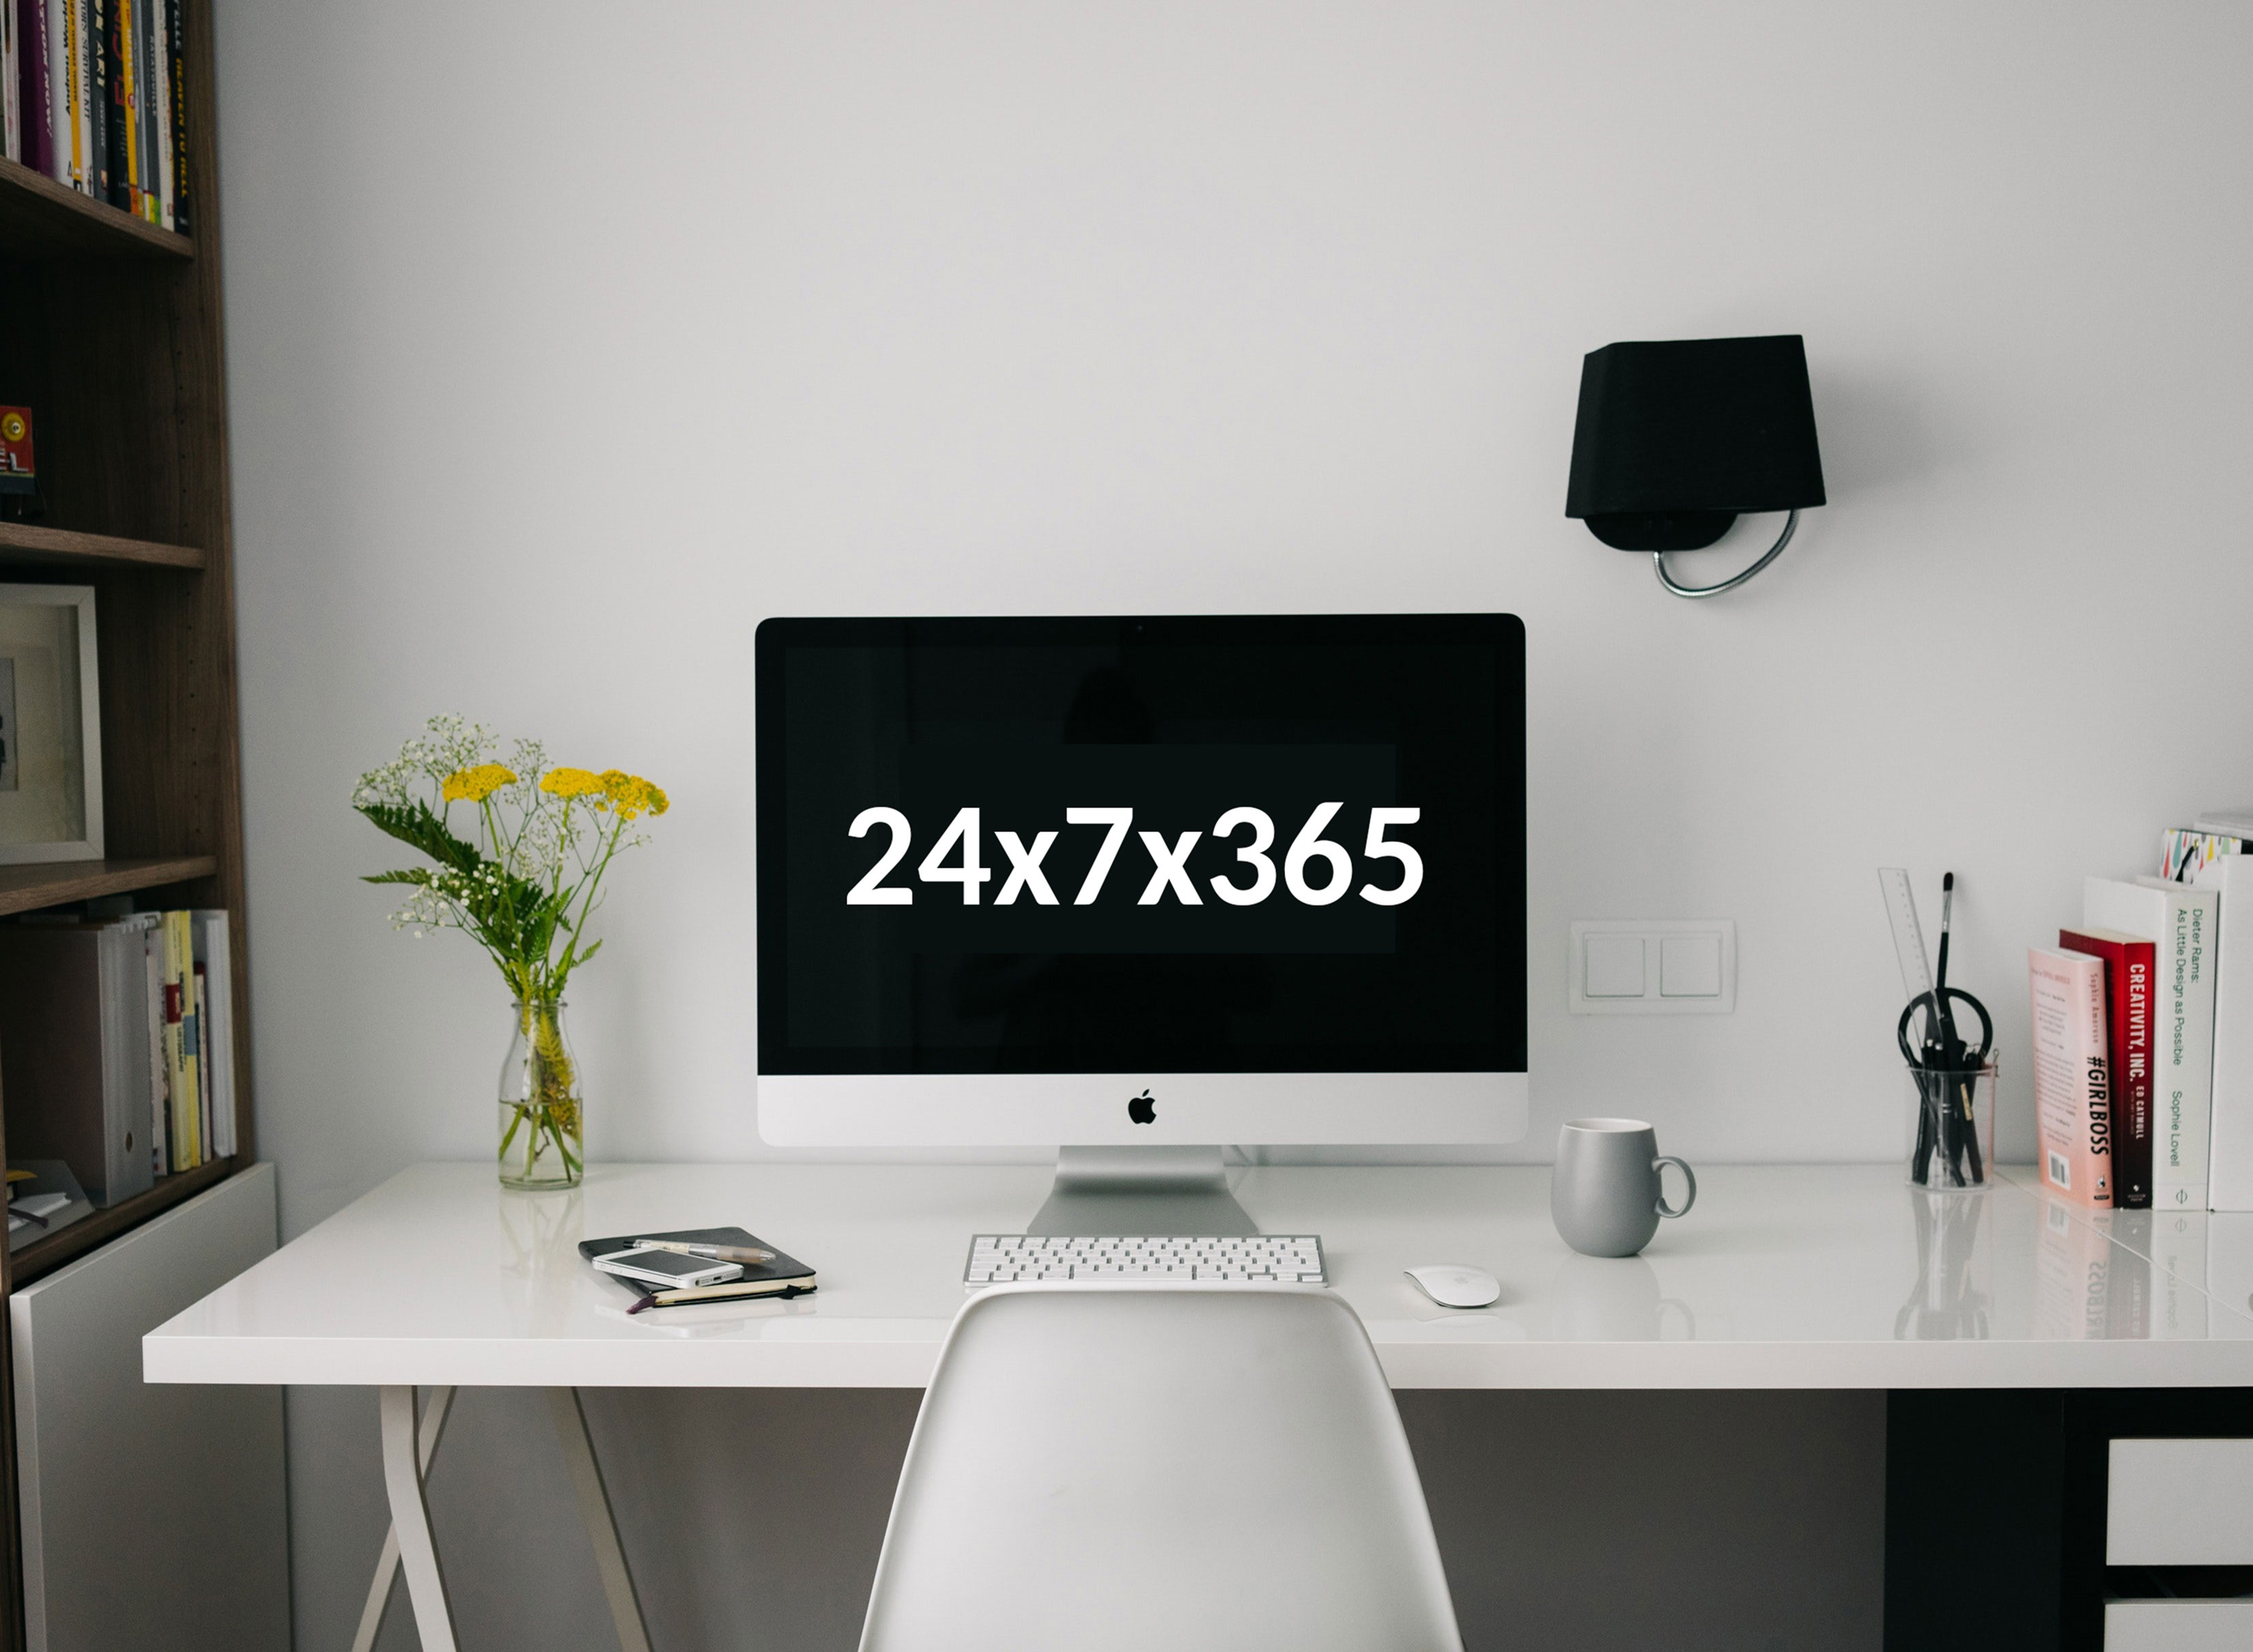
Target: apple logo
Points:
(1141, 1109)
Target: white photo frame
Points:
(50, 725)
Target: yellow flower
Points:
(631, 795)
(570, 783)
(475, 785)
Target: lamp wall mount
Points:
(1678, 438)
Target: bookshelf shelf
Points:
(44, 1255)
(32, 545)
(39, 217)
(26, 888)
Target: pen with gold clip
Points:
(751, 1256)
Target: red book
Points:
(2128, 969)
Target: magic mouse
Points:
(1453, 1286)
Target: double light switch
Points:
(1654, 966)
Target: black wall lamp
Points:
(1676, 439)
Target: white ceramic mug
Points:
(1604, 1194)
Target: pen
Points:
(745, 1253)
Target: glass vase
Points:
(543, 1119)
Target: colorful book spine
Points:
(129, 90)
(2129, 966)
(70, 111)
(113, 108)
(161, 78)
(180, 1040)
(2186, 851)
(160, 1084)
(33, 95)
(2072, 1081)
(204, 1133)
(97, 98)
(57, 92)
(178, 68)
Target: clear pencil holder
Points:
(1950, 1139)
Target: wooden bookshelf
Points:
(40, 216)
(111, 332)
(26, 888)
(29, 545)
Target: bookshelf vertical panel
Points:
(112, 334)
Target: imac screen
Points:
(1160, 845)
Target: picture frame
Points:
(50, 725)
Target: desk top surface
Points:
(1782, 1277)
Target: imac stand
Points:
(1158, 1192)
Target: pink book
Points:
(2073, 1091)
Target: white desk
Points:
(1781, 1278)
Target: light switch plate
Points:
(1689, 967)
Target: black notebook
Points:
(784, 1277)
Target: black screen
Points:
(1167, 845)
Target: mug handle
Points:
(1657, 1167)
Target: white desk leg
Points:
(594, 1510)
(410, 1522)
(387, 1563)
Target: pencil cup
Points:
(1951, 1126)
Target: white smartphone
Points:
(668, 1268)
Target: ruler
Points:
(1908, 934)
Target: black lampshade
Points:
(1678, 439)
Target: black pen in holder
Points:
(1951, 1125)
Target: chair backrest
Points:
(1159, 1469)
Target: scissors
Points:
(1946, 1068)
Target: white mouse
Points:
(1451, 1284)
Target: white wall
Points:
(568, 340)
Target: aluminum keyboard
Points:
(1006, 1259)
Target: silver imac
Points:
(1137, 888)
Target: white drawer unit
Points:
(2180, 1503)
(2177, 1625)
(152, 1515)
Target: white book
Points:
(2229, 1157)
(2179, 919)
(215, 951)
(2228, 823)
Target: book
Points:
(12, 87)
(180, 1040)
(2128, 967)
(74, 1050)
(2179, 919)
(2230, 1150)
(53, 73)
(160, 1082)
(70, 105)
(203, 1132)
(160, 78)
(177, 69)
(2186, 851)
(215, 955)
(35, 135)
(784, 1277)
(2072, 1082)
(113, 107)
(97, 92)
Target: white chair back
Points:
(1159, 1469)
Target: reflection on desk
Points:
(1819, 1277)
